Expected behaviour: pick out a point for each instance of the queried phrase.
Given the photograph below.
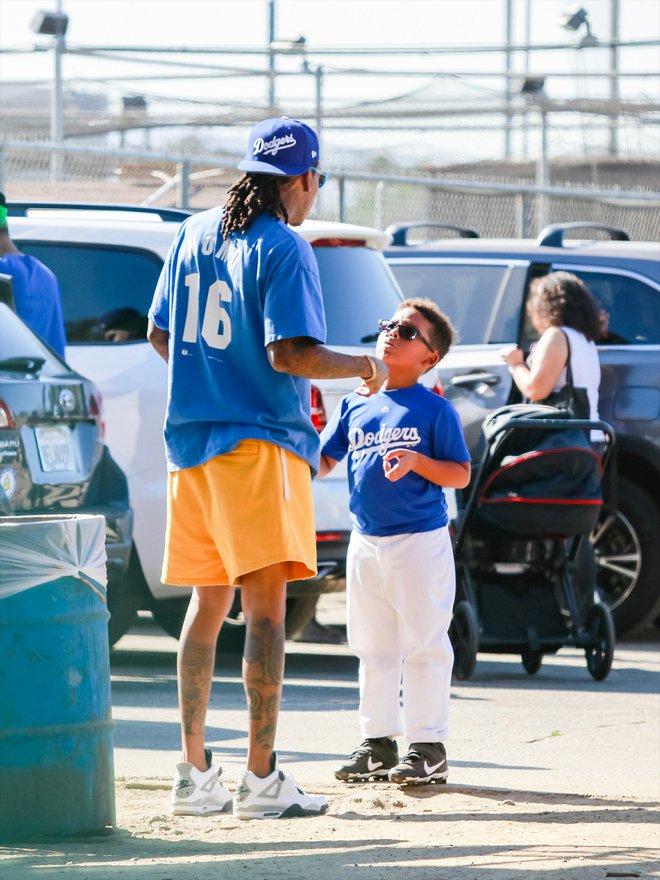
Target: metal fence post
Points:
(183, 181)
(522, 215)
(341, 187)
(379, 205)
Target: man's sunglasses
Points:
(322, 175)
(406, 331)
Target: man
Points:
(37, 295)
(238, 315)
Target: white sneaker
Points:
(275, 796)
(196, 792)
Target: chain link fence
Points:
(502, 209)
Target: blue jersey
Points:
(37, 297)
(366, 429)
(222, 302)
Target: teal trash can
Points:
(56, 760)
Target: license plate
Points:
(55, 452)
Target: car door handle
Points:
(467, 380)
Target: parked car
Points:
(52, 455)
(482, 285)
(108, 260)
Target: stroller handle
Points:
(556, 425)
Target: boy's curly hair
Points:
(442, 332)
(565, 301)
(249, 198)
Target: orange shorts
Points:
(240, 512)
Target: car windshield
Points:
(467, 293)
(21, 351)
(358, 290)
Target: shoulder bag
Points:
(574, 401)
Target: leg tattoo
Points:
(263, 674)
(196, 661)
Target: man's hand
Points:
(399, 462)
(372, 386)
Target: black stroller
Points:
(525, 569)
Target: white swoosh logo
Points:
(373, 765)
(435, 767)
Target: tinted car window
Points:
(18, 342)
(468, 294)
(632, 308)
(105, 288)
(358, 290)
(101, 281)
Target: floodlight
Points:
(52, 24)
(134, 103)
(290, 47)
(533, 86)
(573, 19)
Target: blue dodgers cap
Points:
(281, 146)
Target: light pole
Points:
(298, 47)
(614, 79)
(271, 57)
(533, 89)
(55, 24)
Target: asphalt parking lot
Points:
(553, 775)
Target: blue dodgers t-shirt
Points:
(366, 429)
(37, 297)
(222, 302)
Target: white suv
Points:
(107, 260)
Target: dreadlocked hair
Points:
(251, 196)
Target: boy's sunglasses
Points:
(406, 331)
(322, 175)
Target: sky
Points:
(331, 23)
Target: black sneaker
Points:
(373, 759)
(425, 762)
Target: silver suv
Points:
(482, 285)
(107, 260)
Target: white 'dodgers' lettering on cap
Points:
(272, 147)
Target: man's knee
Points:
(263, 595)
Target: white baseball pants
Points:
(400, 595)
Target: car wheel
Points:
(299, 611)
(628, 558)
(169, 614)
(126, 593)
(464, 636)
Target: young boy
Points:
(403, 443)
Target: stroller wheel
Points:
(464, 636)
(601, 652)
(531, 660)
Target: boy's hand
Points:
(398, 462)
